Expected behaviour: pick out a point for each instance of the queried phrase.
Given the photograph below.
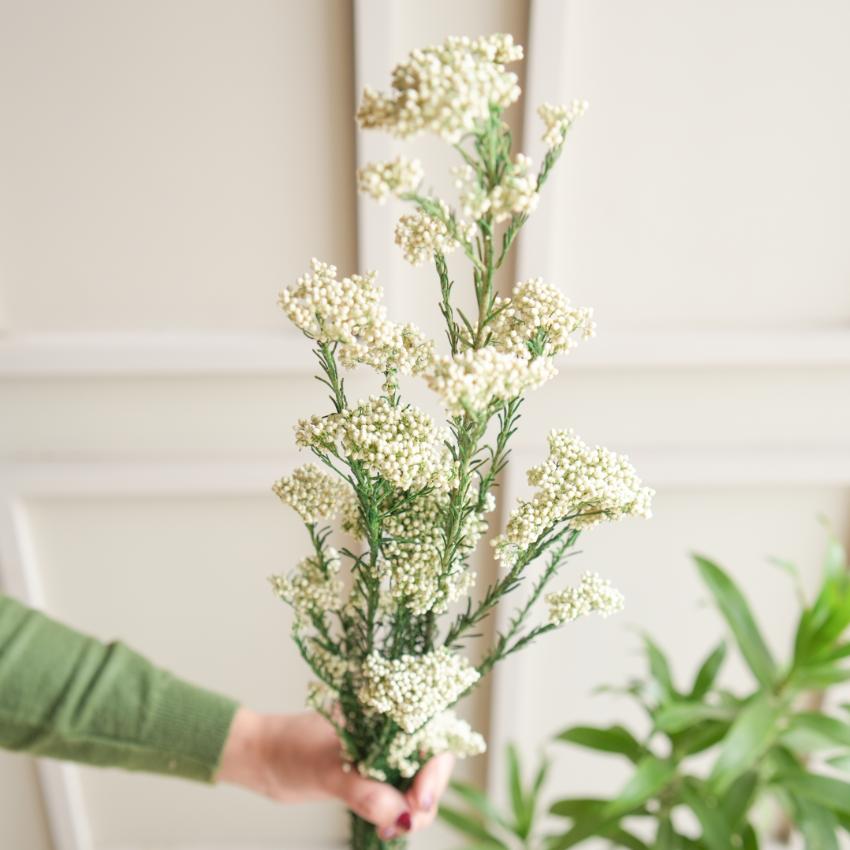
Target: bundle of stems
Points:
(377, 632)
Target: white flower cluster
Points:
(516, 194)
(331, 310)
(413, 689)
(349, 312)
(589, 484)
(399, 443)
(330, 666)
(446, 733)
(412, 550)
(445, 89)
(386, 346)
(420, 236)
(537, 308)
(382, 179)
(594, 595)
(311, 493)
(310, 589)
(559, 119)
(473, 379)
(320, 697)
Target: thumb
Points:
(428, 787)
(376, 802)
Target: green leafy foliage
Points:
(767, 742)
(735, 610)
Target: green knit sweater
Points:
(68, 696)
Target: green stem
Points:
(453, 331)
(508, 418)
(325, 353)
(364, 836)
(484, 289)
(565, 539)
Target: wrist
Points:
(244, 756)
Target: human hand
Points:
(295, 758)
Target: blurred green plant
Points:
(774, 741)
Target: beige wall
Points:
(166, 167)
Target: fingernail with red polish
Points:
(404, 822)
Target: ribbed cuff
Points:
(186, 731)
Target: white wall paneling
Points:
(708, 241)
(19, 575)
(375, 23)
(225, 355)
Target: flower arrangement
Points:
(382, 621)
(711, 769)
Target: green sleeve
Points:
(68, 696)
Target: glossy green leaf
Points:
(738, 798)
(829, 616)
(712, 819)
(686, 843)
(707, 674)
(665, 836)
(700, 737)
(608, 829)
(480, 802)
(737, 613)
(521, 810)
(780, 760)
(833, 794)
(843, 821)
(619, 837)
(834, 653)
(835, 560)
(749, 838)
(469, 826)
(650, 777)
(679, 716)
(537, 785)
(578, 807)
(810, 731)
(840, 762)
(659, 668)
(839, 617)
(749, 736)
(819, 676)
(610, 739)
(818, 825)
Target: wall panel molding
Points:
(19, 576)
(374, 56)
(96, 354)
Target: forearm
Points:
(66, 695)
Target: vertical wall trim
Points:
(60, 783)
(374, 56)
(545, 78)
(545, 69)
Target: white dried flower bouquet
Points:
(377, 634)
